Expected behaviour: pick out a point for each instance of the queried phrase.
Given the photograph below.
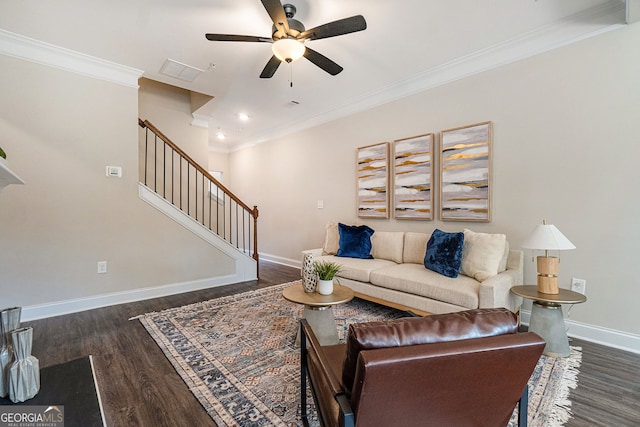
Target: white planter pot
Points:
(325, 287)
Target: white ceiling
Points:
(409, 46)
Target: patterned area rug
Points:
(237, 355)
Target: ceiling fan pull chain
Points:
(291, 74)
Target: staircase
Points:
(186, 191)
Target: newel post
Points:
(255, 214)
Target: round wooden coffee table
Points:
(546, 316)
(317, 310)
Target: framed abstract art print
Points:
(412, 178)
(465, 173)
(373, 181)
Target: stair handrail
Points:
(252, 211)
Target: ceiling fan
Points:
(289, 35)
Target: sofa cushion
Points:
(355, 241)
(387, 245)
(462, 325)
(481, 254)
(444, 253)
(357, 268)
(331, 239)
(414, 279)
(415, 246)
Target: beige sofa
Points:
(396, 275)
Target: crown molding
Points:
(28, 49)
(572, 29)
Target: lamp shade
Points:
(547, 237)
(288, 50)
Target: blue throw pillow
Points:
(444, 253)
(355, 241)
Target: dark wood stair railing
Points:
(178, 181)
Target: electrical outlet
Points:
(579, 285)
(102, 267)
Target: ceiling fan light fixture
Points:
(288, 49)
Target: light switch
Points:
(320, 204)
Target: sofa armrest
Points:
(495, 291)
(515, 262)
(315, 252)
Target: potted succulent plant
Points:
(326, 272)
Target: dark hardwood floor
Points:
(139, 387)
(608, 392)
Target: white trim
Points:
(58, 308)
(589, 23)
(280, 260)
(200, 120)
(597, 334)
(19, 46)
(246, 267)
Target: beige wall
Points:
(566, 126)
(169, 109)
(60, 130)
(219, 162)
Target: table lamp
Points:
(547, 237)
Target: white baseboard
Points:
(59, 308)
(597, 334)
(280, 260)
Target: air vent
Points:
(179, 70)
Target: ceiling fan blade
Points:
(335, 28)
(322, 61)
(276, 12)
(271, 67)
(234, 38)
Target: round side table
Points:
(317, 310)
(546, 316)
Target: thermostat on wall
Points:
(115, 171)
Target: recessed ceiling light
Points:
(243, 116)
(220, 135)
